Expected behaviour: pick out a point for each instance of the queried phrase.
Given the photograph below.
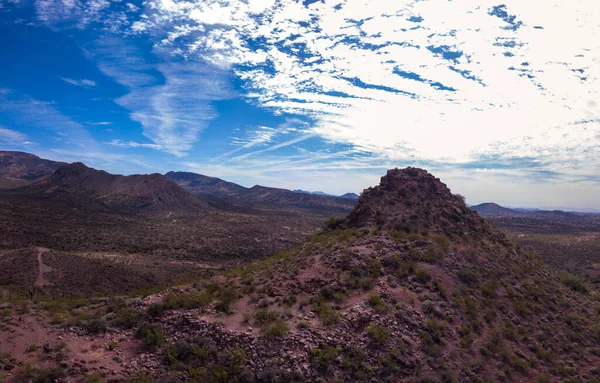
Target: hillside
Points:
(210, 187)
(412, 286)
(77, 185)
(19, 168)
(261, 197)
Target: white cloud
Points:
(83, 82)
(130, 144)
(171, 100)
(12, 137)
(487, 84)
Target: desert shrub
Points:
(187, 300)
(96, 377)
(432, 338)
(327, 314)
(226, 297)
(332, 223)
(422, 276)
(379, 335)
(266, 316)
(155, 310)
(32, 348)
(289, 300)
(595, 332)
(96, 326)
(277, 329)
(126, 318)
(151, 335)
(488, 289)
(355, 362)
(324, 356)
(468, 276)
(466, 339)
(575, 282)
(41, 375)
(377, 303)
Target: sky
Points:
(499, 99)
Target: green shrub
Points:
(187, 301)
(377, 303)
(266, 316)
(127, 318)
(422, 275)
(226, 298)
(277, 329)
(96, 326)
(327, 314)
(468, 276)
(156, 310)
(324, 356)
(378, 334)
(332, 223)
(151, 335)
(575, 282)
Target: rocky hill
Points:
(79, 186)
(490, 208)
(412, 286)
(18, 168)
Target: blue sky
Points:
(499, 99)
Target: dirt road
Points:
(43, 268)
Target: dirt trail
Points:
(43, 268)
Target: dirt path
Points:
(43, 268)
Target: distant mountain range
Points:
(347, 195)
(493, 209)
(218, 189)
(78, 186)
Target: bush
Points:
(187, 301)
(127, 318)
(468, 276)
(42, 375)
(324, 356)
(156, 310)
(226, 298)
(575, 282)
(96, 326)
(422, 275)
(151, 335)
(276, 330)
(378, 334)
(332, 223)
(377, 303)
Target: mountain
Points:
(201, 185)
(494, 209)
(19, 168)
(266, 197)
(77, 185)
(347, 195)
(350, 196)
